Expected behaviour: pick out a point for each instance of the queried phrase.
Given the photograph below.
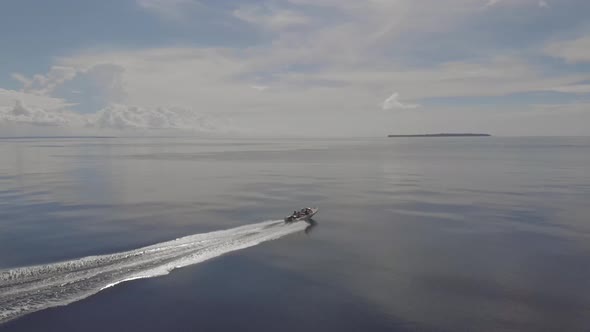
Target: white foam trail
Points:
(28, 289)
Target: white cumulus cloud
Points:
(45, 84)
(116, 117)
(30, 115)
(393, 103)
(134, 117)
(9, 97)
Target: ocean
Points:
(186, 234)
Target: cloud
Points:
(45, 84)
(259, 87)
(186, 77)
(273, 19)
(573, 88)
(9, 97)
(22, 79)
(21, 114)
(202, 79)
(540, 3)
(108, 82)
(89, 87)
(392, 102)
(133, 117)
(167, 9)
(491, 3)
(572, 51)
(494, 77)
(117, 117)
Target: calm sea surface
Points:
(449, 234)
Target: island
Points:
(444, 135)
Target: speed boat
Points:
(303, 214)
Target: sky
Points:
(297, 67)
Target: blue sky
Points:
(359, 67)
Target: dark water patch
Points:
(550, 311)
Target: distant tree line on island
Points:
(444, 135)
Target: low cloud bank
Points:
(117, 117)
(21, 114)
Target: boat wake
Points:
(28, 289)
